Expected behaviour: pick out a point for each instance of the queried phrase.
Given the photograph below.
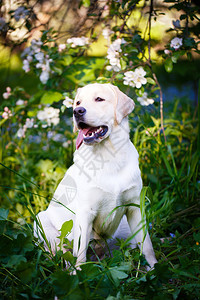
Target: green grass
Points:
(170, 198)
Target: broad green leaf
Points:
(63, 283)
(68, 257)
(123, 64)
(151, 80)
(66, 228)
(168, 65)
(15, 260)
(83, 70)
(50, 97)
(66, 60)
(118, 273)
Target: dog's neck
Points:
(114, 146)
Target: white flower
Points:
(107, 33)
(5, 115)
(36, 43)
(50, 115)
(116, 45)
(78, 41)
(115, 64)
(140, 72)
(7, 94)
(41, 115)
(29, 123)
(66, 144)
(139, 81)
(29, 58)
(20, 102)
(20, 13)
(176, 43)
(166, 51)
(27, 51)
(39, 66)
(46, 70)
(135, 78)
(55, 121)
(26, 66)
(61, 47)
(68, 102)
(3, 24)
(44, 76)
(144, 100)
(21, 132)
(39, 56)
(113, 55)
(129, 78)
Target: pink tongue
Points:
(79, 139)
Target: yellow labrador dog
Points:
(98, 189)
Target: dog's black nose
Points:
(79, 112)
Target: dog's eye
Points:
(78, 102)
(98, 99)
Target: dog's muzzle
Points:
(79, 113)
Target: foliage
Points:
(37, 145)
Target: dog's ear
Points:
(125, 105)
(75, 128)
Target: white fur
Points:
(104, 175)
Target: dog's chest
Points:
(113, 173)
(108, 214)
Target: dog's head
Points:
(97, 108)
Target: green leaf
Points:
(123, 63)
(86, 3)
(189, 42)
(50, 97)
(172, 156)
(63, 283)
(68, 257)
(15, 260)
(3, 214)
(177, 55)
(168, 65)
(156, 122)
(151, 80)
(66, 228)
(26, 271)
(66, 60)
(169, 169)
(118, 273)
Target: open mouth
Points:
(89, 134)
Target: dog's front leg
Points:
(82, 235)
(138, 227)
